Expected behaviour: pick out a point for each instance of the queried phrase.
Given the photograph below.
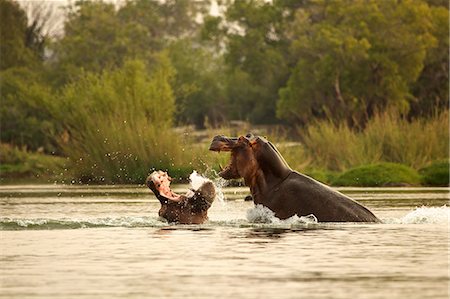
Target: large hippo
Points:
(191, 208)
(285, 191)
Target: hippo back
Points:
(303, 195)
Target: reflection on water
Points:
(107, 242)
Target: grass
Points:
(379, 175)
(436, 174)
(17, 165)
(386, 138)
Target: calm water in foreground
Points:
(107, 242)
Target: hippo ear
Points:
(252, 139)
(243, 140)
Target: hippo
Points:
(284, 191)
(191, 208)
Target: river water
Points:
(107, 242)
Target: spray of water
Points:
(197, 180)
(422, 215)
(262, 214)
(218, 182)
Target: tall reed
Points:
(386, 138)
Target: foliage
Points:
(119, 123)
(377, 175)
(323, 176)
(355, 58)
(257, 68)
(387, 137)
(25, 112)
(99, 35)
(24, 96)
(436, 174)
(94, 38)
(21, 45)
(18, 163)
(431, 89)
(198, 86)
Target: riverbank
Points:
(38, 168)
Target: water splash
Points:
(197, 180)
(262, 214)
(66, 223)
(220, 183)
(256, 217)
(430, 215)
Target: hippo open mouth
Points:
(226, 144)
(159, 181)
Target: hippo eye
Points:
(158, 185)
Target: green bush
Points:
(381, 174)
(323, 176)
(436, 174)
(11, 155)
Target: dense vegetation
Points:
(379, 175)
(349, 82)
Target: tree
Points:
(431, 89)
(94, 38)
(20, 45)
(25, 111)
(355, 58)
(199, 85)
(100, 36)
(255, 48)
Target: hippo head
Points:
(251, 155)
(159, 183)
(248, 155)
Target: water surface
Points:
(107, 242)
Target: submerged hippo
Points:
(191, 208)
(285, 191)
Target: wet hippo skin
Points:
(191, 208)
(285, 191)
